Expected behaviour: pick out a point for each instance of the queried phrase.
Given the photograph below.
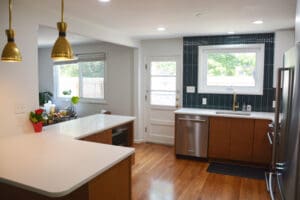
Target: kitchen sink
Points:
(233, 113)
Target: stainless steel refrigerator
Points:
(284, 177)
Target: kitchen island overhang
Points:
(57, 165)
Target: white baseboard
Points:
(138, 141)
(160, 142)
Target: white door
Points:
(162, 95)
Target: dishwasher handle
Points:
(193, 120)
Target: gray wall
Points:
(119, 61)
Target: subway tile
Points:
(190, 76)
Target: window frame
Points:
(178, 93)
(258, 48)
(82, 99)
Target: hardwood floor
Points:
(158, 175)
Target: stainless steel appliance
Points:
(191, 137)
(284, 177)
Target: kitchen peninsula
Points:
(56, 165)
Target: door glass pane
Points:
(163, 83)
(231, 69)
(163, 98)
(163, 68)
(67, 80)
(92, 79)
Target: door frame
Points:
(146, 82)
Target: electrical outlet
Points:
(190, 89)
(20, 108)
(204, 101)
(274, 104)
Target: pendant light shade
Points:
(62, 49)
(10, 52)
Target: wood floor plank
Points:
(158, 175)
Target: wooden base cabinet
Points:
(239, 139)
(219, 138)
(104, 137)
(113, 184)
(262, 149)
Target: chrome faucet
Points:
(235, 105)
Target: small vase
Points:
(38, 127)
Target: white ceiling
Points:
(47, 37)
(140, 18)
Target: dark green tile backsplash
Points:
(262, 103)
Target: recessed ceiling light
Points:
(161, 28)
(258, 22)
(231, 32)
(104, 0)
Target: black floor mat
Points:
(236, 170)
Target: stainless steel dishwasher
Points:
(191, 135)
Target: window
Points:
(84, 78)
(227, 68)
(163, 83)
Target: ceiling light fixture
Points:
(11, 52)
(62, 49)
(161, 28)
(104, 1)
(231, 32)
(258, 22)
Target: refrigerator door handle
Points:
(279, 177)
(271, 186)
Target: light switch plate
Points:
(204, 101)
(190, 89)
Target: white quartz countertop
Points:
(82, 127)
(212, 112)
(53, 163)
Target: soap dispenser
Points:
(244, 108)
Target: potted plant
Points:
(74, 101)
(37, 120)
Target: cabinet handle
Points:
(193, 120)
(270, 138)
(271, 125)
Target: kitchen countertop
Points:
(53, 163)
(212, 112)
(85, 126)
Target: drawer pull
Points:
(270, 138)
(193, 120)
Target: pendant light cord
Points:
(10, 15)
(62, 10)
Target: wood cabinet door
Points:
(262, 149)
(241, 139)
(102, 137)
(219, 137)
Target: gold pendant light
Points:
(62, 49)
(11, 52)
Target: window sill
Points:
(245, 91)
(93, 101)
(85, 101)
